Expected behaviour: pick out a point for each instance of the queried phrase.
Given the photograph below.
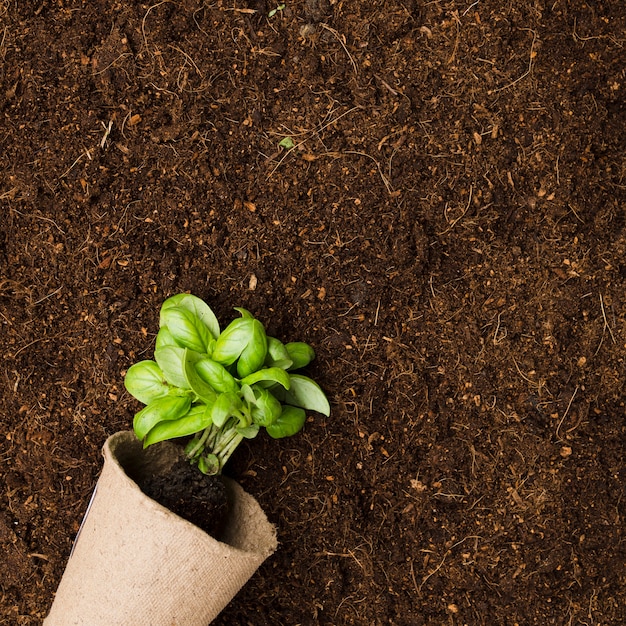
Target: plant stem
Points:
(221, 442)
(228, 448)
(200, 445)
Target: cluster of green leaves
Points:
(219, 387)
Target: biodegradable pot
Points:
(136, 562)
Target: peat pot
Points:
(136, 562)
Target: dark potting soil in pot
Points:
(184, 490)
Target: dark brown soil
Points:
(448, 232)
(201, 500)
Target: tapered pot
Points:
(136, 562)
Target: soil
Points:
(184, 490)
(431, 193)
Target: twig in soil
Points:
(44, 339)
(145, 17)
(348, 311)
(498, 337)
(604, 328)
(413, 577)
(306, 134)
(126, 118)
(380, 171)
(188, 59)
(343, 45)
(9, 195)
(532, 383)
(343, 601)
(530, 65)
(455, 15)
(458, 219)
(577, 37)
(606, 324)
(107, 132)
(469, 8)
(392, 91)
(445, 556)
(69, 169)
(368, 345)
(41, 217)
(569, 404)
(112, 63)
(4, 36)
(346, 555)
(582, 221)
(245, 11)
(48, 296)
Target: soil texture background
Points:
(431, 193)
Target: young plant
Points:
(219, 387)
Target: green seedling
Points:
(219, 387)
(272, 13)
(287, 142)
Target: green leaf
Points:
(266, 408)
(287, 142)
(307, 394)
(197, 419)
(226, 405)
(248, 394)
(248, 432)
(162, 409)
(243, 339)
(277, 355)
(300, 353)
(145, 381)
(198, 307)
(268, 374)
(216, 375)
(244, 312)
(209, 464)
(170, 360)
(290, 422)
(203, 390)
(232, 341)
(164, 338)
(187, 330)
(253, 355)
